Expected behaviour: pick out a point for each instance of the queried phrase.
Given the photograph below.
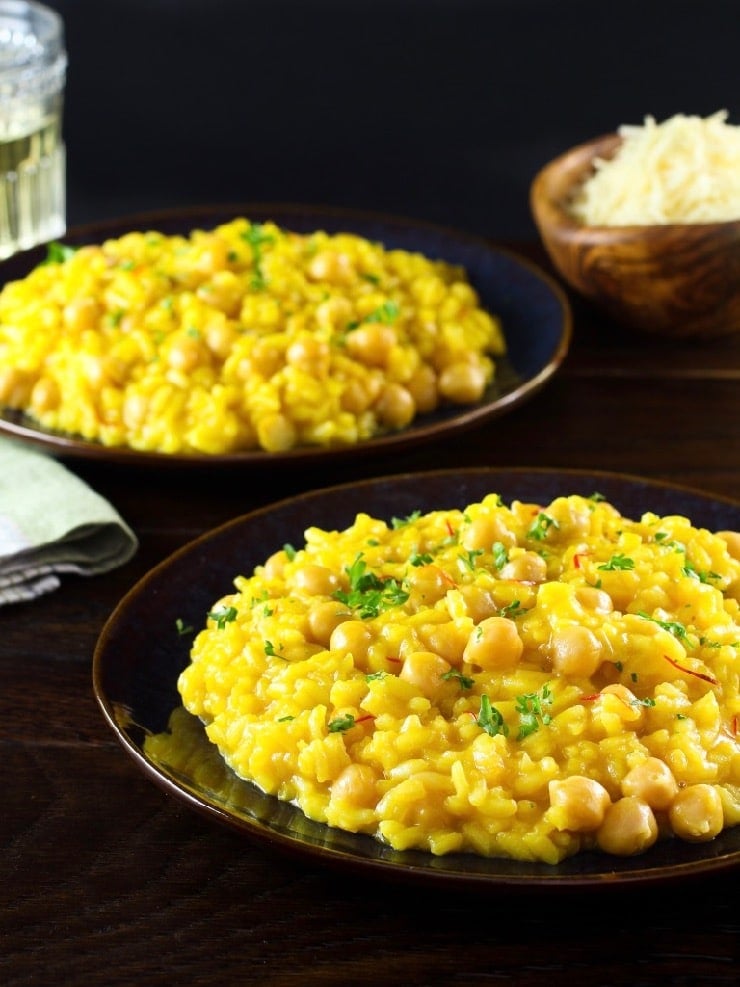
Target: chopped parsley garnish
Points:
(423, 558)
(490, 719)
(271, 651)
(673, 627)
(540, 527)
(532, 708)
(618, 561)
(399, 522)
(341, 723)
(58, 253)
(467, 560)
(368, 594)
(257, 238)
(703, 577)
(386, 314)
(500, 554)
(223, 616)
(464, 680)
(182, 627)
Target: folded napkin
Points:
(52, 523)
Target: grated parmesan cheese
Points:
(684, 170)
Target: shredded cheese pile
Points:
(684, 170)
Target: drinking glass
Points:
(33, 65)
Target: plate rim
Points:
(407, 866)
(456, 420)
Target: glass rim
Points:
(34, 62)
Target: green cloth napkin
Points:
(52, 523)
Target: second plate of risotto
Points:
(268, 334)
(515, 676)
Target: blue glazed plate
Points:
(140, 655)
(534, 312)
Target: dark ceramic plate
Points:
(139, 656)
(534, 312)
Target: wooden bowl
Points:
(678, 279)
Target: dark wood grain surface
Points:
(105, 879)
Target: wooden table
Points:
(108, 880)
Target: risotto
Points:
(526, 681)
(247, 336)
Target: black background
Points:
(441, 110)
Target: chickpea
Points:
(359, 395)
(220, 337)
(529, 567)
(484, 531)
(135, 410)
(696, 814)
(653, 782)
(265, 360)
(575, 650)
(629, 827)
(274, 566)
(213, 256)
(324, 618)
(224, 291)
(311, 355)
(463, 383)
(594, 599)
(329, 265)
(371, 344)
(15, 387)
(447, 640)
(316, 580)
(81, 314)
(582, 802)
(45, 395)
(186, 353)
(424, 670)
(479, 602)
(427, 585)
(356, 784)
(334, 313)
(733, 542)
(573, 517)
(95, 370)
(422, 386)
(352, 636)
(494, 643)
(395, 406)
(276, 433)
